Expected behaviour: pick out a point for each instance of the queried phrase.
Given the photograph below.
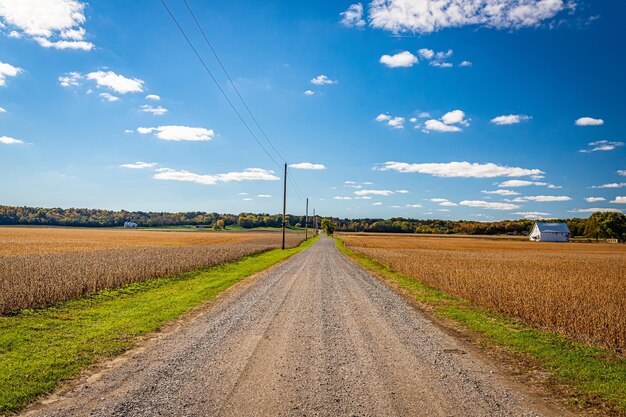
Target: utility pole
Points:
(315, 221)
(306, 221)
(284, 204)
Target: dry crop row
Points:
(29, 280)
(578, 290)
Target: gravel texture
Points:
(316, 335)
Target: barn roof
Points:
(552, 227)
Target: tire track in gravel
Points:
(317, 335)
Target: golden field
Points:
(576, 289)
(41, 266)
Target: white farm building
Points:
(549, 232)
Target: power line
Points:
(182, 31)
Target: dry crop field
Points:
(576, 289)
(41, 266)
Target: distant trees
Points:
(328, 227)
(607, 225)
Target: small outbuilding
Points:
(549, 232)
(130, 224)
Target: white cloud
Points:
(395, 122)
(322, 80)
(438, 200)
(70, 79)
(531, 213)
(139, 165)
(264, 195)
(342, 198)
(510, 119)
(155, 110)
(246, 199)
(440, 64)
(594, 199)
(378, 203)
(402, 59)
(128, 130)
(413, 120)
(542, 198)
(248, 174)
(414, 205)
(589, 121)
(307, 165)
(116, 82)
(524, 183)
(108, 97)
(309, 92)
(622, 172)
(3, 110)
(7, 140)
(179, 133)
(402, 191)
(448, 204)
(425, 16)
(619, 200)
(595, 209)
(459, 169)
(443, 210)
(7, 70)
(454, 117)
(365, 197)
(433, 125)
(423, 115)
(361, 193)
(465, 64)
(501, 192)
(353, 17)
(611, 185)
(602, 145)
(51, 23)
(488, 205)
(426, 53)
(153, 97)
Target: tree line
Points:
(598, 225)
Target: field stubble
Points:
(578, 290)
(42, 266)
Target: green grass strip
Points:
(40, 348)
(597, 376)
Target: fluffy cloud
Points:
(309, 92)
(402, 191)
(342, 198)
(595, 209)
(622, 172)
(611, 185)
(594, 199)
(70, 79)
(619, 200)
(3, 110)
(501, 192)
(602, 145)
(447, 122)
(155, 110)
(395, 122)
(465, 64)
(7, 70)
(153, 97)
(510, 119)
(401, 59)
(589, 121)
(7, 140)
(542, 198)
(413, 205)
(307, 165)
(179, 133)
(264, 195)
(353, 17)
(322, 80)
(248, 174)
(425, 16)
(51, 23)
(426, 53)
(459, 169)
(488, 205)
(524, 183)
(139, 165)
(378, 203)
(362, 193)
(532, 214)
(116, 82)
(108, 97)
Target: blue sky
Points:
(482, 109)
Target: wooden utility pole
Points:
(306, 221)
(315, 221)
(284, 204)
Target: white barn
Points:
(549, 232)
(130, 224)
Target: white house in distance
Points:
(130, 224)
(549, 232)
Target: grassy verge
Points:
(593, 377)
(40, 348)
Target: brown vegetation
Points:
(578, 289)
(41, 266)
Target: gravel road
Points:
(316, 335)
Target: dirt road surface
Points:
(316, 335)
